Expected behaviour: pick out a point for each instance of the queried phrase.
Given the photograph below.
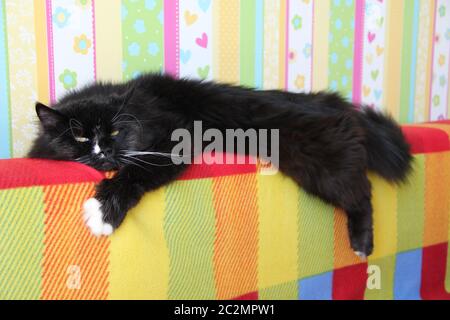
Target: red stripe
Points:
(426, 140)
(434, 262)
(30, 172)
(349, 283)
(248, 296)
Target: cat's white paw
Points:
(361, 255)
(93, 217)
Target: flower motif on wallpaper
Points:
(436, 100)
(68, 79)
(134, 49)
(442, 11)
(61, 17)
(297, 22)
(83, 3)
(307, 50)
(82, 44)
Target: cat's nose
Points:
(107, 152)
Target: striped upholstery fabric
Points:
(224, 232)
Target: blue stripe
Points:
(407, 278)
(259, 44)
(5, 139)
(415, 35)
(316, 287)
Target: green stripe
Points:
(342, 19)
(316, 226)
(143, 37)
(189, 226)
(386, 269)
(285, 291)
(406, 85)
(248, 42)
(411, 208)
(21, 248)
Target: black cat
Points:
(325, 143)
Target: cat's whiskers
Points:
(131, 158)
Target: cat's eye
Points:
(81, 139)
(114, 133)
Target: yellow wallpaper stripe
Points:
(321, 44)
(271, 47)
(108, 50)
(226, 14)
(394, 33)
(40, 24)
(22, 72)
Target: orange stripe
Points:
(68, 243)
(343, 254)
(437, 200)
(235, 247)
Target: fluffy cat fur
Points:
(327, 145)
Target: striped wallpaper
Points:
(389, 54)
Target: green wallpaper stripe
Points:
(341, 39)
(411, 16)
(143, 37)
(22, 234)
(247, 42)
(190, 227)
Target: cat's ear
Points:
(50, 118)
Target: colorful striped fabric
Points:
(392, 54)
(225, 231)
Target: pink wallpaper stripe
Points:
(358, 51)
(171, 37)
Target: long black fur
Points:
(326, 143)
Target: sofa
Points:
(225, 232)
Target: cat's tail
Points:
(388, 151)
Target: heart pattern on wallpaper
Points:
(202, 41)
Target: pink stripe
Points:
(94, 42)
(171, 38)
(286, 63)
(51, 60)
(358, 51)
(432, 60)
(312, 42)
(448, 84)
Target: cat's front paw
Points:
(94, 218)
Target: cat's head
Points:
(89, 131)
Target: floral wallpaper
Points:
(392, 55)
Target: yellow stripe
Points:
(384, 200)
(40, 25)
(278, 230)
(108, 50)
(139, 265)
(282, 45)
(321, 46)
(271, 48)
(227, 31)
(393, 63)
(22, 72)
